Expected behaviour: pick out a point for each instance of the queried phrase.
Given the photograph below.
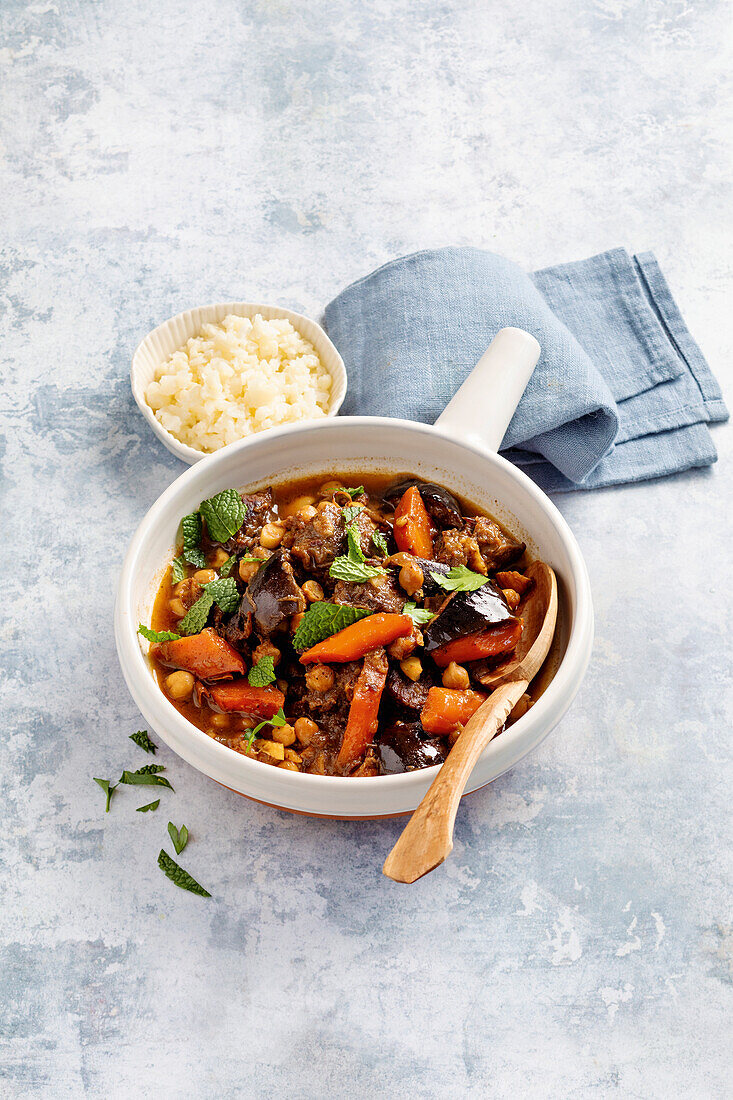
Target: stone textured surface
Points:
(579, 941)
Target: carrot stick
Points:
(447, 709)
(354, 641)
(239, 695)
(487, 643)
(412, 525)
(206, 655)
(364, 710)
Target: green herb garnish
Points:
(351, 512)
(157, 635)
(323, 619)
(278, 719)
(379, 543)
(181, 878)
(142, 740)
(228, 566)
(224, 514)
(107, 786)
(150, 806)
(355, 492)
(418, 615)
(191, 530)
(222, 591)
(352, 567)
(178, 836)
(263, 672)
(460, 579)
(178, 570)
(145, 778)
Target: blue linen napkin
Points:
(621, 391)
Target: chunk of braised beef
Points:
(380, 594)
(411, 694)
(498, 548)
(403, 747)
(315, 542)
(235, 628)
(273, 595)
(336, 699)
(259, 508)
(467, 613)
(456, 547)
(441, 506)
(428, 567)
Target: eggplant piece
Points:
(273, 594)
(431, 587)
(411, 694)
(467, 613)
(403, 747)
(441, 506)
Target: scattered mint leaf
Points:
(191, 530)
(195, 557)
(250, 736)
(150, 806)
(107, 787)
(150, 769)
(418, 615)
(223, 591)
(323, 619)
(278, 719)
(143, 778)
(380, 543)
(194, 621)
(224, 514)
(181, 878)
(157, 635)
(355, 551)
(355, 492)
(263, 672)
(178, 836)
(228, 565)
(351, 512)
(178, 570)
(460, 579)
(344, 569)
(142, 740)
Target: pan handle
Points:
(481, 410)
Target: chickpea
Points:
(312, 591)
(412, 667)
(291, 754)
(204, 576)
(297, 504)
(296, 620)
(271, 535)
(289, 766)
(218, 557)
(411, 578)
(260, 553)
(512, 598)
(306, 729)
(402, 647)
(329, 488)
(285, 735)
(179, 685)
(456, 676)
(319, 678)
(306, 514)
(221, 721)
(247, 570)
(176, 606)
(266, 649)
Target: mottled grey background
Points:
(578, 943)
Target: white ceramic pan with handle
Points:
(460, 452)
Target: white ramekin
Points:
(159, 344)
(457, 453)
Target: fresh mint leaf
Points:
(228, 565)
(460, 579)
(223, 591)
(346, 569)
(157, 635)
(150, 806)
(351, 512)
(194, 621)
(352, 537)
(418, 615)
(224, 514)
(191, 529)
(323, 619)
(263, 672)
(181, 878)
(355, 492)
(278, 719)
(178, 836)
(195, 557)
(178, 570)
(380, 543)
(107, 786)
(150, 769)
(144, 778)
(142, 740)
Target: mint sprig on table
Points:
(108, 787)
(143, 742)
(224, 514)
(222, 591)
(263, 672)
(181, 878)
(322, 619)
(178, 836)
(150, 806)
(144, 777)
(460, 579)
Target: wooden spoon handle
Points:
(428, 836)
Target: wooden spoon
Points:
(428, 837)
